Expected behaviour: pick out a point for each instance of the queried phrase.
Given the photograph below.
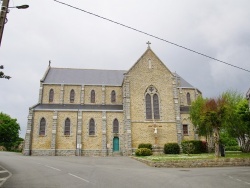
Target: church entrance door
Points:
(116, 144)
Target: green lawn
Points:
(166, 157)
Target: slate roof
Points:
(85, 107)
(84, 76)
(91, 77)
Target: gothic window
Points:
(113, 96)
(42, 127)
(67, 127)
(72, 96)
(188, 99)
(152, 103)
(156, 106)
(148, 107)
(91, 127)
(185, 129)
(92, 100)
(115, 126)
(51, 95)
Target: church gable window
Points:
(67, 127)
(152, 103)
(92, 96)
(72, 96)
(91, 127)
(156, 106)
(113, 96)
(188, 99)
(148, 107)
(51, 95)
(115, 126)
(42, 127)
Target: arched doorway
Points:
(116, 144)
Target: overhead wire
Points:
(151, 35)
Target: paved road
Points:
(108, 172)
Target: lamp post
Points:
(4, 10)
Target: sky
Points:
(70, 38)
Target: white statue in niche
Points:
(155, 131)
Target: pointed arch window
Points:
(92, 96)
(115, 126)
(91, 127)
(113, 96)
(72, 95)
(188, 99)
(67, 127)
(148, 107)
(51, 95)
(42, 127)
(152, 103)
(156, 106)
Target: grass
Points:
(168, 157)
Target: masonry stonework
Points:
(68, 130)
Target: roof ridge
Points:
(86, 69)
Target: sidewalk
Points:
(4, 175)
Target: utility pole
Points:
(3, 14)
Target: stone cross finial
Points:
(49, 62)
(148, 43)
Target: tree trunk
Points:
(216, 142)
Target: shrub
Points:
(171, 148)
(233, 148)
(143, 152)
(204, 147)
(148, 145)
(195, 149)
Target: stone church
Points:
(89, 112)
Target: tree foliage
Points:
(9, 131)
(2, 75)
(238, 124)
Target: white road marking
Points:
(78, 177)
(2, 171)
(238, 179)
(52, 167)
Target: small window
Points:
(67, 127)
(188, 99)
(51, 95)
(42, 127)
(72, 96)
(115, 126)
(92, 100)
(91, 127)
(113, 96)
(185, 129)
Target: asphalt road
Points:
(109, 172)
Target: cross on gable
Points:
(148, 43)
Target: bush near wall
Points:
(148, 145)
(171, 148)
(196, 148)
(232, 148)
(143, 152)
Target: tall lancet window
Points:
(51, 95)
(113, 96)
(42, 127)
(188, 99)
(72, 95)
(92, 96)
(152, 103)
(67, 127)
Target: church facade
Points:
(106, 112)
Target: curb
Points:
(4, 175)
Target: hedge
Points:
(143, 152)
(148, 145)
(171, 148)
(192, 146)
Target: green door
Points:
(116, 144)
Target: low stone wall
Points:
(221, 162)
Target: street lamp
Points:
(4, 11)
